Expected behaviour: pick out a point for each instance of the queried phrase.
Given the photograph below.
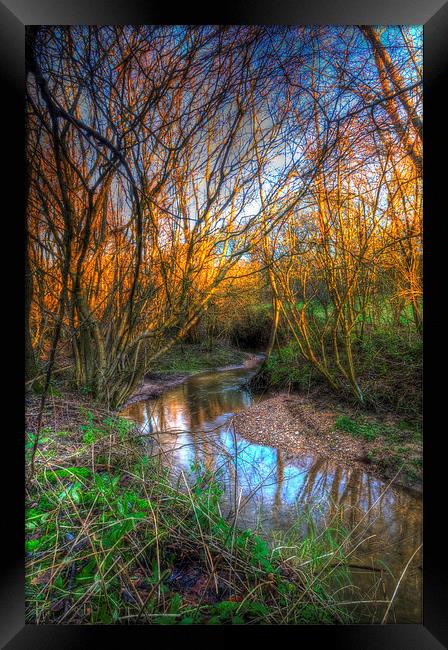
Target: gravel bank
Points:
(299, 424)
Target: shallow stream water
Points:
(191, 424)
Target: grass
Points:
(111, 539)
(193, 357)
(391, 446)
(361, 429)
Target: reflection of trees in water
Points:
(204, 452)
(350, 494)
(193, 407)
(393, 515)
(136, 412)
(153, 411)
(207, 405)
(279, 483)
(280, 477)
(309, 487)
(336, 484)
(388, 528)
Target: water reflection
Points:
(191, 424)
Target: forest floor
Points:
(296, 423)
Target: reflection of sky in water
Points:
(191, 423)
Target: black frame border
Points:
(433, 14)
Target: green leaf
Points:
(68, 472)
(175, 604)
(31, 545)
(187, 620)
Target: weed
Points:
(367, 430)
(398, 446)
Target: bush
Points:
(388, 366)
(286, 368)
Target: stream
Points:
(191, 423)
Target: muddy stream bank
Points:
(200, 421)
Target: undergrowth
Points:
(393, 447)
(110, 538)
(388, 367)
